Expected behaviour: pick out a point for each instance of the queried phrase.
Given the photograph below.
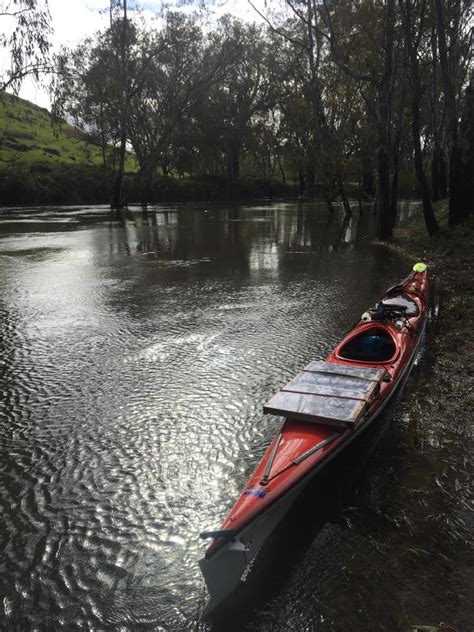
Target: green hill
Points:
(42, 163)
(27, 135)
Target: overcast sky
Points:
(73, 20)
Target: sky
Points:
(73, 20)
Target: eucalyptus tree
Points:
(88, 86)
(454, 30)
(362, 43)
(413, 15)
(120, 28)
(164, 112)
(25, 36)
(357, 38)
(237, 105)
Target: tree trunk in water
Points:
(428, 212)
(310, 178)
(368, 182)
(438, 161)
(384, 223)
(146, 176)
(117, 197)
(117, 201)
(235, 168)
(233, 160)
(282, 171)
(345, 200)
(301, 181)
(443, 175)
(396, 158)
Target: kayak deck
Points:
(348, 390)
(327, 393)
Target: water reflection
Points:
(136, 353)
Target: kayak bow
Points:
(326, 406)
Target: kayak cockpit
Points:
(373, 344)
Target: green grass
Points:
(451, 243)
(27, 135)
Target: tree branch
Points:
(277, 31)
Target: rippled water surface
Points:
(135, 356)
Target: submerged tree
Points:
(121, 30)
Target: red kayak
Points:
(325, 406)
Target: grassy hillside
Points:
(45, 164)
(27, 135)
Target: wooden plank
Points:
(361, 372)
(330, 384)
(333, 411)
(327, 393)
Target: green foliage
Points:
(25, 38)
(52, 183)
(207, 188)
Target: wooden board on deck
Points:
(326, 393)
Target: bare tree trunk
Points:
(438, 172)
(428, 212)
(384, 223)
(301, 181)
(117, 197)
(282, 171)
(345, 200)
(396, 159)
(439, 181)
(463, 197)
(456, 210)
(368, 183)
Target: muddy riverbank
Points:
(451, 257)
(446, 397)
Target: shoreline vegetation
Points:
(64, 185)
(448, 371)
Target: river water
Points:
(136, 353)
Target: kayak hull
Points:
(265, 500)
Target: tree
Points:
(165, 111)
(95, 89)
(453, 23)
(413, 28)
(121, 28)
(26, 38)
